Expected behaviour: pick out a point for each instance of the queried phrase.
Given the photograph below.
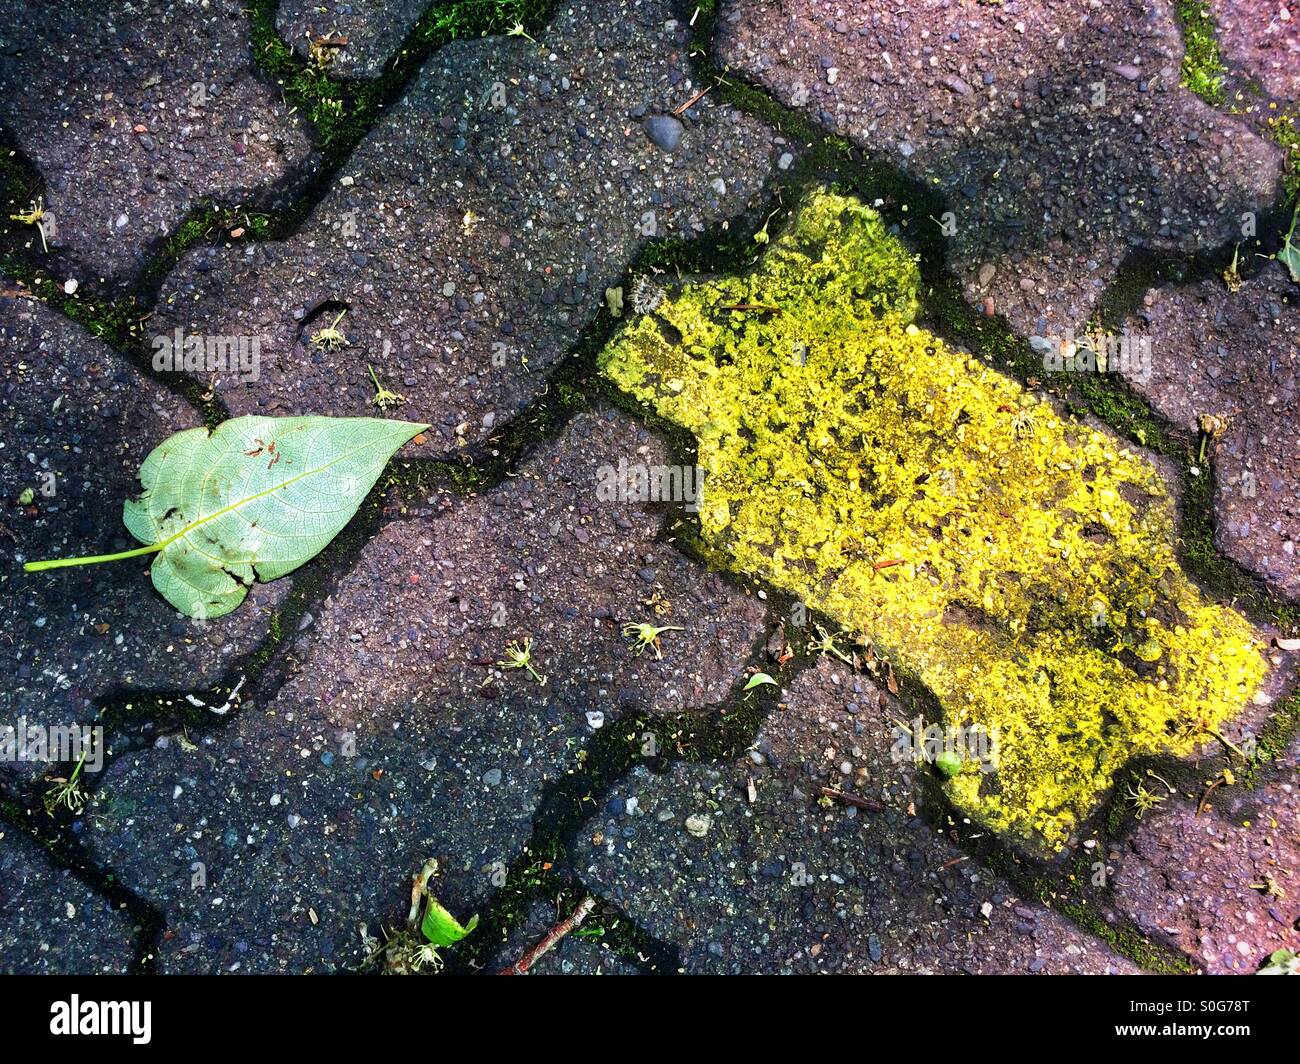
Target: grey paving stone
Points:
(78, 421)
(397, 739)
(1235, 356)
(133, 113)
(1050, 182)
(475, 229)
(785, 884)
(53, 923)
(1210, 883)
(358, 38)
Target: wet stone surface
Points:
(1210, 883)
(133, 114)
(70, 637)
(397, 739)
(357, 38)
(54, 924)
(783, 884)
(474, 231)
(1057, 132)
(1235, 356)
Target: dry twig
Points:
(553, 936)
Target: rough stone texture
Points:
(394, 737)
(75, 409)
(1261, 39)
(1203, 882)
(102, 98)
(466, 236)
(783, 885)
(372, 31)
(53, 923)
(1236, 356)
(540, 557)
(996, 104)
(451, 755)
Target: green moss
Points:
(343, 109)
(1023, 567)
(1203, 70)
(1283, 130)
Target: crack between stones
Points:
(574, 386)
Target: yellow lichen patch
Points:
(1020, 565)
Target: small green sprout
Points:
(647, 635)
(327, 109)
(1142, 800)
(948, 763)
(758, 680)
(763, 236)
(429, 927)
(330, 338)
(67, 792)
(520, 656)
(383, 397)
(1231, 276)
(825, 644)
(35, 216)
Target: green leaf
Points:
(1282, 962)
(1289, 256)
(252, 500)
(758, 679)
(441, 928)
(948, 763)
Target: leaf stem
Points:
(90, 559)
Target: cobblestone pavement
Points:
(135, 114)
(1235, 356)
(1059, 131)
(472, 235)
(264, 785)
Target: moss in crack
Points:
(1203, 71)
(541, 872)
(342, 110)
(1071, 890)
(117, 321)
(26, 813)
(1275, 737)
(1284, 130)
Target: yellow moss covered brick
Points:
(1031, 579)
